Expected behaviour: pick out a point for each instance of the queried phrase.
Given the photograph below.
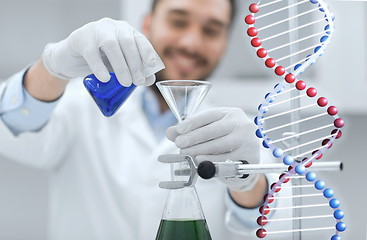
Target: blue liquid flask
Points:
(108, 96)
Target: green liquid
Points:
(183, 230)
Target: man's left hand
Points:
(216, 135)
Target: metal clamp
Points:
(226, 169)
(191, 171)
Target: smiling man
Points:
(104, 172)
(189, 36)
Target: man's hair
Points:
(231, 2)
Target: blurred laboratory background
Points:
(241, 80)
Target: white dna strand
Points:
(295, 123)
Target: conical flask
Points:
(108, 96)
(183, 217)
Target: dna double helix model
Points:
(295, 122)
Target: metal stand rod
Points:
(280, 167)
(295, 116)
(209, 169)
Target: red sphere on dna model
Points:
(322, 101)
(286, 180)
(261, 233)
(262, 220)
(308, 165)
(252, 32)
(279, 70)
(325, 142)
(266, 211)
(250, 19)
(332, 110)
(300, 85)
(254, 8)
(271, 198)
(290, 78)
(270, 62)
(261, 53)
(311, 92)
(339, 123)
(338, 135)
(278, 187)
(256, 42)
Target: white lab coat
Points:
(104, 172)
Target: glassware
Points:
(183, 96)
(108, 96)
(183, 217)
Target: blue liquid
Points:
(108, 96)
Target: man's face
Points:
(189, 35)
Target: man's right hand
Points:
(100, 47)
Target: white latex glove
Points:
(216, 135)
(103, 46)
